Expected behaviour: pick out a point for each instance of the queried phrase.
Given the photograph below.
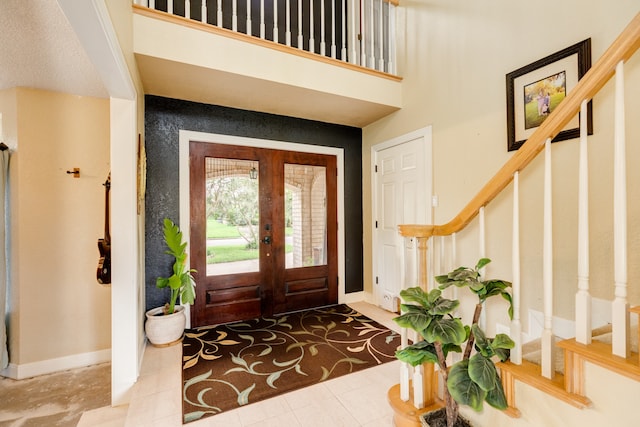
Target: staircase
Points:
(558, 368)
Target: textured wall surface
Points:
(165, 117)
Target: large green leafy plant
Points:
(181, 282)
(473, 379)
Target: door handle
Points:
(266, 240)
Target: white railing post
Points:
(152, 4)
(363, 35)
(482, 250)
(620, 306)
(287, 34)
(583, 298)
(381, 36)
(353, 31)
(343, 50)
(234, 15)
(300, 38)
(275, 21)
(170, 7)
(262, 24)
(323, 44)
(333, 29)
(249, 24)
(372, 37)
(548, 345)
(516, 326)
(409, 280)
(312, 40)
(219, 14)
(203, 12)
(391, 40)
(187, 9)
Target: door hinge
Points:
(376, 169)
(376, 224)
(376, 280)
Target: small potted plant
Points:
(165, 325)
(474, 379)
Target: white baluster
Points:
(583, 298)
(363, 32)
(152, 4)
(548, 369)
(516, 326)
(454, 262)
(287, 34)
(381, 37)
(249, 23)
(275, 21)
(300, 39)
(353, 33)
(234, 15)
(482, 250)
(187, 9)
(203, 11)
(333, 29)
(620, 306)
(410, 276)
(323, 44)
(262, 25)
(312, 40)
(372, 36)
(170, 7)
(343, 50)
(219, 14)
(391, 42)
(441, 264)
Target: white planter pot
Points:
(165, 330)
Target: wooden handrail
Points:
(627, 43)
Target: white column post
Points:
(288, 24)
(583, 298)
(312, 40)
(548, 345)
(620, 306)
(275, 21)
(262, 25)
(300, 38)
(516, 326)
(234, 15)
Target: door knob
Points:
(266, 240)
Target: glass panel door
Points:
(233, 216)
(305, 215)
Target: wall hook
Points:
(75, 172)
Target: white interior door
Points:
(402, 191)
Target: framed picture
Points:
(535, 90)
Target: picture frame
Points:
(533, 92)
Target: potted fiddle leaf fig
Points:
(474, 378)
(165, 325)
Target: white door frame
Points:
(185, 219)
(426, 135)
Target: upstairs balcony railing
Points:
(361, 32)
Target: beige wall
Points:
(454, 59)
(57, 307)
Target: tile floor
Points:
(358, 399)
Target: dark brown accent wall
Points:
(165, 117)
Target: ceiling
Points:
(40, 50)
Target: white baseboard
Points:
(49, 366)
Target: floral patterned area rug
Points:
(228, 366)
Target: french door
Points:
(263, 231)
